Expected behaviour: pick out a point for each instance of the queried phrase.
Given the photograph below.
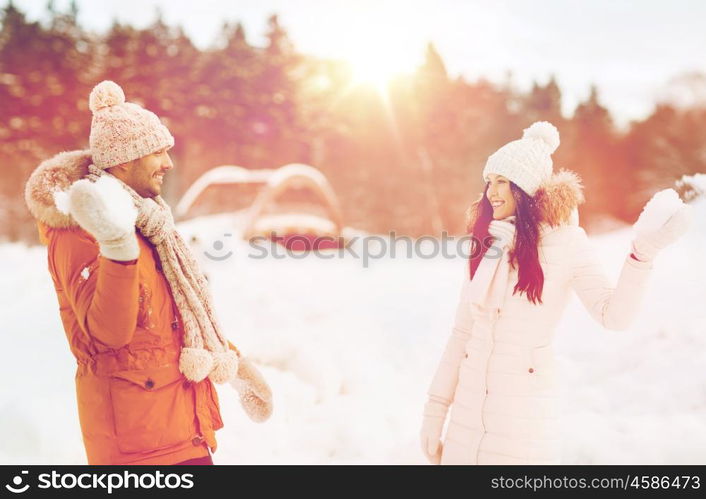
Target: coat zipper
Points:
(493, 321)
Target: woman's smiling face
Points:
(500, 196)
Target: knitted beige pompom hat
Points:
(527, 161)
(122, 131)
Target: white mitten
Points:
(663, 220)
(106, 210)
(255, 394)
(432, 425)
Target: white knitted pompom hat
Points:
(527, 161)
(122, 131)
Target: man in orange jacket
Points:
(135, 307)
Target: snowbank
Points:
(349, 352)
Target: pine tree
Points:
(595, 155)
(544, 103)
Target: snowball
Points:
(61, 201)
(103, 208)
(658, 210)
(121, 208)
(107, 93)
(544, 131)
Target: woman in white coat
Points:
(497, 371)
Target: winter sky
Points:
(630, 49)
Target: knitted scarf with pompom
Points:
(205, 351)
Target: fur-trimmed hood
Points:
(559, 197)
(557, 200)
(55, 175)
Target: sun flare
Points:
(378, 64)
(372, 70)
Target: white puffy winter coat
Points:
(498, 374)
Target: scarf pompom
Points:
(195, 363)
(225, 366)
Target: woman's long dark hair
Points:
(524, 255)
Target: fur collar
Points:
(53, 175)
(557, 200)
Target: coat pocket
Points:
(151, 408)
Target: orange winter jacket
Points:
(123, 327)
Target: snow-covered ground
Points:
(349, 351)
